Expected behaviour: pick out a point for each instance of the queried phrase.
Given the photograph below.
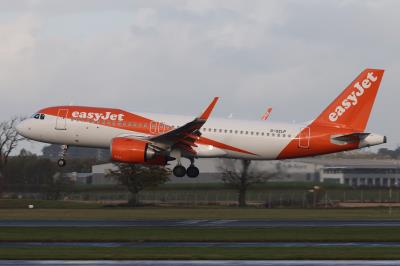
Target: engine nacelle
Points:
(128, 150)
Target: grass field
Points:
(201, 253)
(195, 213)
(134, 234)
(46, 204)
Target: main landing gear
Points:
(192, 171)
(61, 162)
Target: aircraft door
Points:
(153, 127)
(61, 122)
(304, 138)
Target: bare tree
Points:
(137, 177)
(9, 139)
(241, 174)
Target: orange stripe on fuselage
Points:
(320, 142)
(142, 124)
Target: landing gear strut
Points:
(61, 162)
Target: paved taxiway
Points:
(204, 262)
(199, 223)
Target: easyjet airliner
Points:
(143, 138)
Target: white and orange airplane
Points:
(155, 139)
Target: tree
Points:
(56, 186)
(241, 174)
(28, 172)
(9, 139)
(137, 177)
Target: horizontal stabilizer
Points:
(351, 137)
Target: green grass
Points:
(165, 234)
(196, 213)
(201, 253)
(46, 204)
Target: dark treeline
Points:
(29, 172)
(387, 153)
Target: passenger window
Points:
(272, 135)
(251, 132)
(236, 131)
(247, 132)
(262, 133)
(42, 116)
(267, 134)
(231, 131)
(220, 131)
(284, 135)
(257, 133)
(279, 135)
(226, 131)
(241, 131)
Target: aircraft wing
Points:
(184, 137)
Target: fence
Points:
(267, 198)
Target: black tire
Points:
(61, 163)
(179, 171)
(193, 172)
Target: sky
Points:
(175, 56)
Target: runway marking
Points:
(188, 222)
(222, 222)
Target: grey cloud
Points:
(174, 56)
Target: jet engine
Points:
(128, 150)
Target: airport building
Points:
(352, 172)
(361, 173)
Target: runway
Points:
(256, 223)
(205, 262)
(196, 244)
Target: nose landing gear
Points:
(61, 162)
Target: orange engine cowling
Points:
(134, 151)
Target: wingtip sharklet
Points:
(207, 112)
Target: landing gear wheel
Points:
(179, 171)
(193, 171)
(61, 162)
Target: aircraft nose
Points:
(21, 128)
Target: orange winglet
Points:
(207, 112)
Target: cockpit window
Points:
(39, 116)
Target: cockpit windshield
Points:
(39, 116)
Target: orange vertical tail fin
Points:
(352, 108)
